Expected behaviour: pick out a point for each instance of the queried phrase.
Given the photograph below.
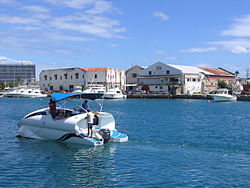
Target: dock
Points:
(167, 96)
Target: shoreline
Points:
(166, 96)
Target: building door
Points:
(61, 88)
(71, 87)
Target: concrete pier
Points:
(167, 96)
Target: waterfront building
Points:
(62, 79)
(105, 76)
(213, 75)
(132, 80)
(24, 72)
(172, 79)
(69, 78)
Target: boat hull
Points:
(224, 98)
(114, 96)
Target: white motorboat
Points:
(94, 89)
(223, 95)
(24, 92)
(70, 125)
(114, 93)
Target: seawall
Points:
(166, 96)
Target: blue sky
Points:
(122, 33)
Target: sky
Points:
(122, 33)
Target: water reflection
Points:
(69, 164)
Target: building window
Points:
(77, 75)
(71, 87)
(156, 86)
(65, 76)
(158, 68)
(150, 72)
(50, 78)
(134, 75)
(167, 72)
(51, 88)
(71, 77)
(60, 78)
(55, 76)
(61, 88)
(45, 77)
(82, 76)
(194, 79)
(95, 75)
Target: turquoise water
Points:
(172, 143)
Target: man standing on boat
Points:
(90, 120)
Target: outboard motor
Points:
(105, 133)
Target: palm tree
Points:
(236, 73)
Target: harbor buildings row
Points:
(177, 79)
(24, 71)
(66, 79)
(158, 77)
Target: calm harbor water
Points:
(171, 143)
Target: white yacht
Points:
(94, 89)
(223, 95)
(24, 92)
(70, 125)
(77, 89)
(114, 93)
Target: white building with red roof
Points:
(67, 79)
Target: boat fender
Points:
(98, 136)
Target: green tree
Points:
(1, 85)
(236, 73)
(222, 84)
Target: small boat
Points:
(70, 125)
(94, 89)
(24, 92)
(114, 93)
(223, 95)
(77, 89)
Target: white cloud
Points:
(202, 65)
(236, 46)
(30, 28)
(240, 27)
(77, 4)
(17, 20)
(102, 7)
(62, 37)
(92, 6)
(161, 15)
(87, 50)
(113, 45)
(9, 2)
(94, 25)
(34, 8)
(199, 50)
(9, 60)
(159, 52)
(169, 58)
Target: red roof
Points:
(215, 71)
(99, 69)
